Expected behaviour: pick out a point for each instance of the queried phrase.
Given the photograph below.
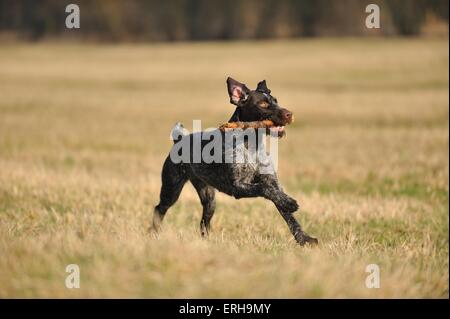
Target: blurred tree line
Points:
(174, 20)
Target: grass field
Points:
(84, 131)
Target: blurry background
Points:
(85, 117)
(184, 20)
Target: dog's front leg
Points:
(286, 206)
(246, 190)
(300, 236)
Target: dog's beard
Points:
(279, 130)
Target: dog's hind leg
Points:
(173, 179)
(207, 196)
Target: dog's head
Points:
(257, 105)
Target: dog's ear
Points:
(262, 87)
(237, 91)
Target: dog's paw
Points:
(153, 231)
(288, 205)
(304, 239)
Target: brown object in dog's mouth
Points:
(267, 124)
(246, 125)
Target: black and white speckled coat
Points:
(243, 179)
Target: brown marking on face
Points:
(264, 104)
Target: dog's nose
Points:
(288, 116)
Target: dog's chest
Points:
(249, 163)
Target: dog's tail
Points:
(178, 132)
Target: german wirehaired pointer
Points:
(240, 180)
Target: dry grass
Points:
(84, 131)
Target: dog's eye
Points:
(264, 104)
